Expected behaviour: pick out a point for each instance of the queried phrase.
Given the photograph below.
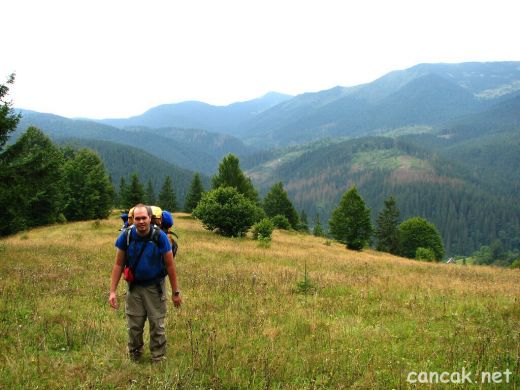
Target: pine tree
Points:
(194, 194)
(135, 192)
(350, 221)
(230, 175)
(150, 193)
(387, 231)
(318, 229)
(167, 198)
(277, 202)
(303, 226)
(122, 197)
(8, 119)
(30, 182)
(87, 189)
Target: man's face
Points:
(142, 221)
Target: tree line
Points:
(233, 207)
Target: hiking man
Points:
(145, 251)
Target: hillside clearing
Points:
(371, 319)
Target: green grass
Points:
(369, 320)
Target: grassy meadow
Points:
(366, 320)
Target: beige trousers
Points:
(142, 303)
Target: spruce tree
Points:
(350, 221)
(30, 182)
(122, 198)
(167, 197)
(87, 190)
(135, 192)
(277, 202)
(387, 231)
(8, 119)
(318, 229)
(230, 175)
(150, 193)
(303, 226)
(194, 194)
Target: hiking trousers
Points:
(146, 302)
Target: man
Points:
(150, 259)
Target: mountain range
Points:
(443, 139)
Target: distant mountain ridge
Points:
(197, 150)
(199, 115)
(425, 94)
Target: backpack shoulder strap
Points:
(128, 232)
(156, 234)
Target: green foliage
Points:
(263, 229)
(227, 211)
(303, 225)
(305, 286)
(194, 194)
(350, 222)
(167, 197)
(495, 254)
(416, 233)
(30, 182)
(150, 193)
(387, 231)
(515, 264)
(134, 193)
(318, 229)
(8, 119)
(467, 210)
(230, 175)
(281, 222)
(425, 254)
(88, 193)
(277, 202)
(122, 195)
(123, 160)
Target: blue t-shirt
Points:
(151, 268)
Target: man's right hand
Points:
(112, 299)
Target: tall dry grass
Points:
(370, 320)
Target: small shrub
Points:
(61, 219)
(263, 229)
(96, 224)
(328, 242)
(227, 211)
(24, 236)
(305, 286)
(515, 264)
(425, 254)
(281, 222)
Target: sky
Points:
(119, 58)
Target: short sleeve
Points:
(121, 241)
(164, 243)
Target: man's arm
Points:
(117, 270)
(172, 275)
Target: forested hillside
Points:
(121, 161)
(422, 183)
(196, 150)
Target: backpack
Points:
(155, 272)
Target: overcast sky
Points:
(118, 58)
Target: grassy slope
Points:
(372, 319)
